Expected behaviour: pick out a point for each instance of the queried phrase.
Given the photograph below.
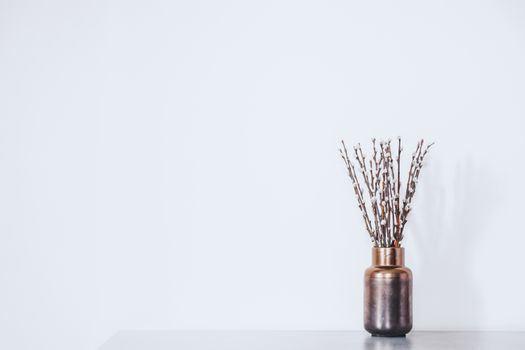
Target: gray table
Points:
(310, 340)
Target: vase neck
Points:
(388, 256)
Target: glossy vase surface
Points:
(388, 294)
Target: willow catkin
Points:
(382, 183)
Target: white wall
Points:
(174, 164)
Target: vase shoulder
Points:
(398, 272)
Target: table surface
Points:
(310, 340)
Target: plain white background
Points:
(174, 164)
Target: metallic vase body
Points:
(388, 294)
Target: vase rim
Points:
(388, 248)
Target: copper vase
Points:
(388, 294)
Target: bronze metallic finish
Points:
(388, 294)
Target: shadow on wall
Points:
(444, 234)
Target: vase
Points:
(388, 294)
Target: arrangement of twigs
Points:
(381, 174)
